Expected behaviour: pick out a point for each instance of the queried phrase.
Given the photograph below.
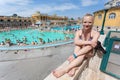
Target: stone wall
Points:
(92, 72)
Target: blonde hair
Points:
(88, 14)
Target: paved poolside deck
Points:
(34, 68)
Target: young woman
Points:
(85, 41)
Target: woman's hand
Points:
(70, 58)
(93, 44)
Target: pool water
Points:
(30, 35)
(75, 27)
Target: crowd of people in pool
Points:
(56, 35)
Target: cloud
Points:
(58, 7)
(66, 6)
(28, 7)
(15, 2)
(89, 2)
(9, 7)
(48, 8)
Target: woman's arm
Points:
(95, 35)
(78, 41)
(93, 42)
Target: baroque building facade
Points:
(109, 16)
(43, 19)
(15, 21)
(18, 22)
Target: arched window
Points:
(20, 20)
(1, 20)
(15, 20)
(24, 20)
(29, 21)
(118, 3)
(112, 16)
(100, 16)
(8, 20)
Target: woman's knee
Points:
(81, 57)
(88, 47)
(89, 54)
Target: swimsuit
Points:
(80, 37)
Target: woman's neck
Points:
(86, 34)
(86, 31)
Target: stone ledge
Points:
(67, 77)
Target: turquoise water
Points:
(30, 35)
(66, 27)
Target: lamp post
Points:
(102, 29)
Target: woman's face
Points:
(87, 22)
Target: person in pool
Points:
(85, 41)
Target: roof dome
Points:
(37, 13)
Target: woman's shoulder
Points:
(94, 32)
(79, 31)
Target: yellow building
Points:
(43, 19)
(110, 16)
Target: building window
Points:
(8, 20)
(118, 3)
(1, 20)
(100, 16)
(112, 16)
(20, 20)
(110, 62)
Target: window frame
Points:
(106, 56)
(99, 16)
(112, 15)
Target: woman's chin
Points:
(86, 28)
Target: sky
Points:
(69, 8)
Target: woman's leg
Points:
(85, 50)
(77, 48)
(76, 62)
(89, 53)
(72, 71)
